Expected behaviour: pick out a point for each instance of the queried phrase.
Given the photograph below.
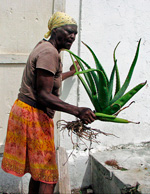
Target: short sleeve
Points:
(48, 60)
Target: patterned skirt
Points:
(29, 146)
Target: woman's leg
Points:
(46, 188)
(34, 186)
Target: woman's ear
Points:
(53, 34)
(54, 30)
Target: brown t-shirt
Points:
(44, 56)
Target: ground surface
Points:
(82, 191)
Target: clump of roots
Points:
(81, 130)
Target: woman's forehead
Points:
(69, 27)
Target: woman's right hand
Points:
(86, 115)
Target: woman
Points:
(29, 146)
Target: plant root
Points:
(82, 132)
(124, 108)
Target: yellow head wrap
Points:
(58, 19)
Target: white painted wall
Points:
(22, 25)
(103, 24)
(70, 86)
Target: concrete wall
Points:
(107, 23)
(102, 24)
(23, 24)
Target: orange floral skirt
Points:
(29, 146)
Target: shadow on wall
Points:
(67, 85)
(86, 183)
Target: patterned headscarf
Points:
(58, 19)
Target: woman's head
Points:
(57, 20)
(64, 36)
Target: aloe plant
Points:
(100, 89)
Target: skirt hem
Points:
(19, 175)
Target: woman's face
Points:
(65, 36)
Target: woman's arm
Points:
(45, 81)
(70, 73)
(67, 74)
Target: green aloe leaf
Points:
(95, 77)
(102, 87)
(83, 82)
(88, 77)
(98, 64)
(86, 71)
(78, 58)
(93, 97)
(128, 78)
(117, 105)
(110, 84)
(102, 90)
(117, 80)
(96, 103)
(117, 71)
(110, 118)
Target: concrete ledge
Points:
(109, 180)
(13, 58)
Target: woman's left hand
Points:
(72, 68)
(71, 72)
